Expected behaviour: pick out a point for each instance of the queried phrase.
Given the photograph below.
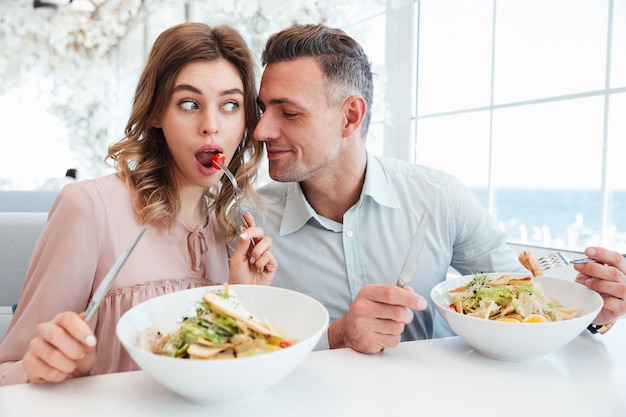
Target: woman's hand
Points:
(63, 348)
(252, 264)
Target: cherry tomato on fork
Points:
(218, 157)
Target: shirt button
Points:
(349, 233)
(357, 279)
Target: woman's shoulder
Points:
(110, 183)
(93, 194)
(106, 188)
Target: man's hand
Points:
(608, 278)
(376, 318)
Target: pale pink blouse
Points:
(88, 227)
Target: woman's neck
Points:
(193, 208)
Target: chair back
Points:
(19, 232)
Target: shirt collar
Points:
(299, 212)
(378, 185)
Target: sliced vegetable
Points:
(508, 299)
(221, 328)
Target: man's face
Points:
(302, 133)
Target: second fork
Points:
(556, 259)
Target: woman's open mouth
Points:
(206, 157)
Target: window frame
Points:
(403, 118)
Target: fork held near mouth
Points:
(219, 163)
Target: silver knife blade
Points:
(410, 263)
(104, 286)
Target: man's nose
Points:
(265, 129)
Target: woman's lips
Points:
(205, 158)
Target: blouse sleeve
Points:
(60, 275)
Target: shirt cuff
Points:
(322, 344)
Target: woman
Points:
(195, 97)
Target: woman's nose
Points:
(210, 124)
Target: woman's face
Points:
(205, 115)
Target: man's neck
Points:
(331, 196)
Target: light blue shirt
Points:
(332, 261)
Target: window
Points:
(523, 100)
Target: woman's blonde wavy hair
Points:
(142, 157)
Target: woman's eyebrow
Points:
(232, 91)
(187, 87)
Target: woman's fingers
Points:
(59, 348)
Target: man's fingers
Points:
(394, 295)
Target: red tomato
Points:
(218, 157)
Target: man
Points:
(341, 220)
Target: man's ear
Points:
(354, 111)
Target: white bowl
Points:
(520, 341)
(296, 315)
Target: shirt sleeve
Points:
(479, 245)
(59, 278)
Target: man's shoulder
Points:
(273, 192)
(397, 167)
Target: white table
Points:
(442, 377)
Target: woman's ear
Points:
(354, 110)
(157, 124)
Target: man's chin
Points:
(281, 175)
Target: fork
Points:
(557, 259)
(231, 177)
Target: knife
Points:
(410, 263)
(104, 286)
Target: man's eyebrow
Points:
(276, 101)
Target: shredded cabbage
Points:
(212, 334)
(506, 297)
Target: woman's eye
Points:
(231, 106)
(189, 105)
